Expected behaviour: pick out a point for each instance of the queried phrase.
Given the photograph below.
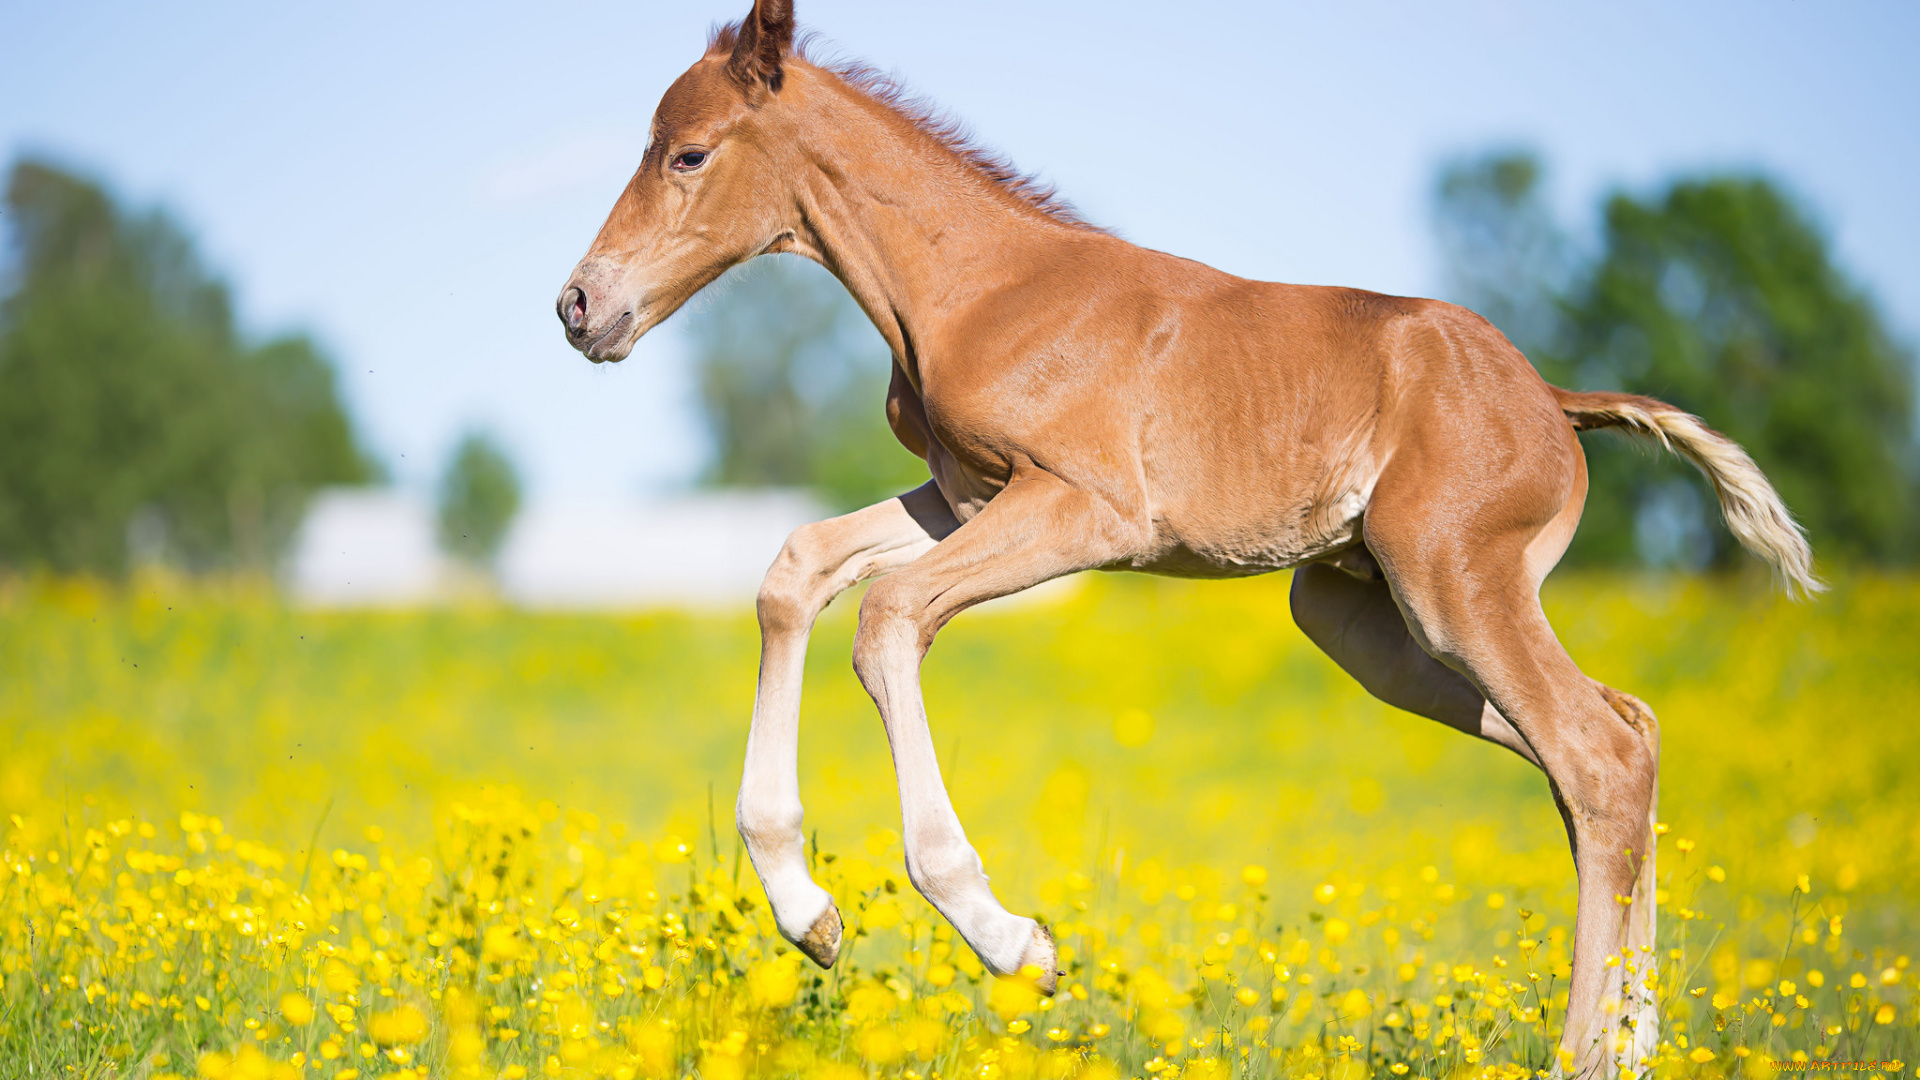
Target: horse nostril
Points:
(573, 307)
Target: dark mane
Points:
(932, 121)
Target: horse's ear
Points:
(761, 47)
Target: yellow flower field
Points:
(248, 841)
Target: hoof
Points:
(822, 943)
(1041, 961)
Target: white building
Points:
(376, 548)
(699, 550)
(367, 547)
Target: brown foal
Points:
(1083, 404)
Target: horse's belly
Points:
(1238, 537)
(1235, 560)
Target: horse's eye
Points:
(690, 160)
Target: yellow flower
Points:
(1337, 931)
(1700, 1055)
(879, 1044)
(402, 1026)
(883, 913)
(1884, 1014)
(773, 983)
(1012, 996)
(501, 943)
(466, 1046)
(653, 1042)
(572, 1017)
(1254, 875)
(1133, 728)
(296, 1009)
(870, 1002)
(339, 978)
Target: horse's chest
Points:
(971, 453)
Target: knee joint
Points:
(789, 594)
(766, 826)
(887, 621)
(938, 869)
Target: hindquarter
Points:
(1485, 485)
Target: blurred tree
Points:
(131, 411)
(793, 380)
(479, 495)
(1503, 255)
(1718, 295)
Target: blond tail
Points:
(1754, 512)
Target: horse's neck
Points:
(915, 235)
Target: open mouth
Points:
(593, 347)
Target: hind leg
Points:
(1464, 567)
(1356, 623)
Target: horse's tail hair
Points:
(1754, 512)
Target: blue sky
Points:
(412, 183)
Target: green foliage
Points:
(1719, 295)
(130, 409)
(1505, 258)
(793, 380)
(1720, 298)
(479, 495)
